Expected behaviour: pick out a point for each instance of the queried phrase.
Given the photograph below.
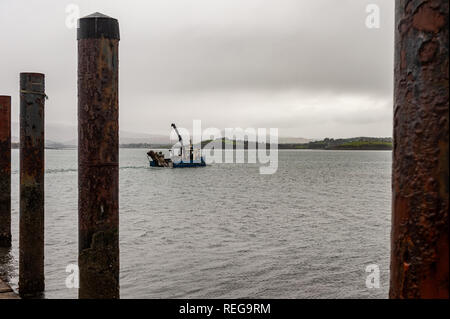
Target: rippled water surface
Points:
(225, 231)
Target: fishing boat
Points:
(191, 158)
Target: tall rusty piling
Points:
(420, 223)
(98, 156)
(31, 226)
(5, 171)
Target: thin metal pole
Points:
(98, 156)
(31, 237)
(420, 223)
(5, 171)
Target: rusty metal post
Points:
(31, 232)
(98, 156)
(5, 171)
(420, 224)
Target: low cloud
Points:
(310, 68)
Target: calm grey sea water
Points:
(308, 231)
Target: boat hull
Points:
(189, 164)
(181, 164)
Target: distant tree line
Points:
(354, 143)
(145, 145)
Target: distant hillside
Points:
(355, 143)
(293, 140)
(48, 145)
(146, 145)
(65, 135)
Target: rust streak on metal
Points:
(420, 223)
(98, 157)
(5, 171)
(31, 228)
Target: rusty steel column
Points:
(98, 156)
(420, 242)
(31, 228)
(5, 171)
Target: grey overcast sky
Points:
(308, 67)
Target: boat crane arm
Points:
(180, 139)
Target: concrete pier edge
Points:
(6, 291)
